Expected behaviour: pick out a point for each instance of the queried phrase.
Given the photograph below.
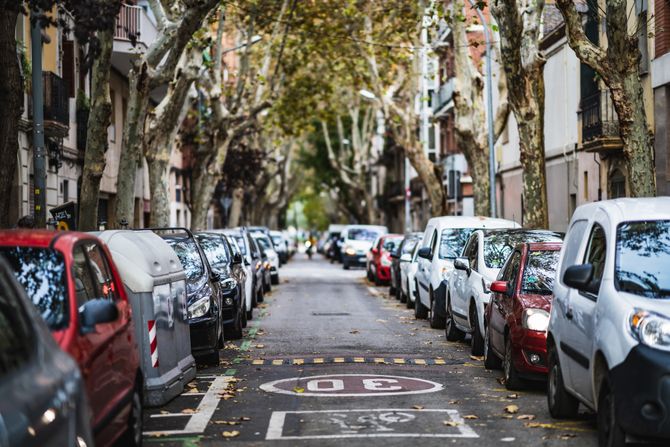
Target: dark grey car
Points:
(43, 398)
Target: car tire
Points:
(512, 379)
(610, 433)
(268, 286)
(393, 291)
(259, 296)
(245, 320)
(420, 311)
(233, 331)
(369, 274)
(408, 302)
(491, 360)
(250, 314)
(562, 404)
(274, 280)
(436, 321)
(345, 266)
(133, 435)
(400, 296)
(211, 359)
(452, 333)
(477, 339)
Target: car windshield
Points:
(241, 244)
(41, 272)
(362, 234)
(452, 242)
(189, 257)
(408, 246)
(263, 242)
(392, 244)
(499, 244)
(538, 277)
(642, 258)
(277, 240)
(215, 250)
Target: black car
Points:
(204, 294)
(406, 246)
(220, 258)
(43, 398)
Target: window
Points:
(41, 272)
(571, 245)
(215, 251)
(507, 272)
(391, 244)
(81, 273)
(433, 242)
(596, 252)
(16, 335)
(102, 273)
(540, 271)
(189, 256)
(452, 242)
(471, 251)
(408, 246)
(642, 34)
(241, 245)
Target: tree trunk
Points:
(11, 98)
(479, 170)
(203, 185)
(429, 177)
(158, 184)
(96, 135)
(236, 208)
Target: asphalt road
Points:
(388, 379)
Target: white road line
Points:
(278, 418)
(206, 408)
(168, 415)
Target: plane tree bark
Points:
(618, 67)
(519, 24)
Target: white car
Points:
(407, 274)
(267, 247)
(608, 340)
(356, 243)
(280, 245)
(253, 290)
(469, 284)
(442, 243)
(403, 256)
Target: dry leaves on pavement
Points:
(511, 409)
(231, 434)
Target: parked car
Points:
(516, 319)
(252, 265)
(204, 295)
(469, 285)
(280, 245)
(242, 274)
(408, 278)
(43, 392)
(272, 263)
(356, 243)
(220, 258)
(73, 282)
(609, 328)
(379, 263)
(406, 247)
(442, 243)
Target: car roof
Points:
(366, 227)
(471, 222)
(41, 238)
(628, 209)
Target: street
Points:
(332, 360)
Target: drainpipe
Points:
(39, 162)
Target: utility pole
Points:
(39, 162)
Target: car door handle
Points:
(569, 314)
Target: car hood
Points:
(533, 301)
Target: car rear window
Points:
(189, 257)
(42, 273)
(538, 277)
(362, 234)
(215, 250)
(499, 244)
(392, 243)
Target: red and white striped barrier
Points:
(153, 343)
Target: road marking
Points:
(419, 361)
(399, 361)
(379, 360)
(298, 361)
(338, 360)
(351, 385)
(277, 362)
(318, 360)
(198, 421)
(329, 360)
(359, 359)
(367, 423)
(257, 362)
(439, 362)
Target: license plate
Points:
(363, 259)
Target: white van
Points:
(357, 241)
(442, 243)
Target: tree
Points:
(520, 24)
(617, 64)
(469, 112)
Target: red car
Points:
(518, 314)
(73, 281)
(379, 259)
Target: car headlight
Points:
(535, 320)
(199, 308)
(228, 301)
(228, 284)
(651, 329)
(350, 251)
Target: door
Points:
(502, 306)
(578, 339)
(461, 297)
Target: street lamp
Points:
(489, 108)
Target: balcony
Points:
(600, 124)
(135, 31)
(442, 97)
(56, 105)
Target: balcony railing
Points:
(128, 23)
(56, 99)
(443, 95)
(599, 119)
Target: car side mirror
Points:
(237, 259)
(462, 264)
(406, 257)
(95, 312)
(394, 255)
(580, 277)
(500, 287)
(215, 276)
(424, 253)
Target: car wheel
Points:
(491, 361)
(211, 359)
(133, 435)
(512, 380)
(420, 311)
(393, 291)
(220, 342)
(477, 339)
(244, 316)
(345, 266)
(268, 286)
(233, 331)
(259, 296)
(610, 433)
(400, 296)
(369, 273)
(275, 280)
(408, 302)
(436, 321)
(451, 331)
(562, 405)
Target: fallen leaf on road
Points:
(299, 390)
(501, 380)
(451, 423)
(260, 346)
(477, 358)
(453, 402)
(381, 321)
(538, 425)
(513, 396)
(226, 422)
(511, 409)
(567, 436)
(231, 434)
(245, 418)
(227, 396)
(418, 407)
(470, 416)
(188, 411)
(525, 417)
(355, 331)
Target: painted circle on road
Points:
(351, 385)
